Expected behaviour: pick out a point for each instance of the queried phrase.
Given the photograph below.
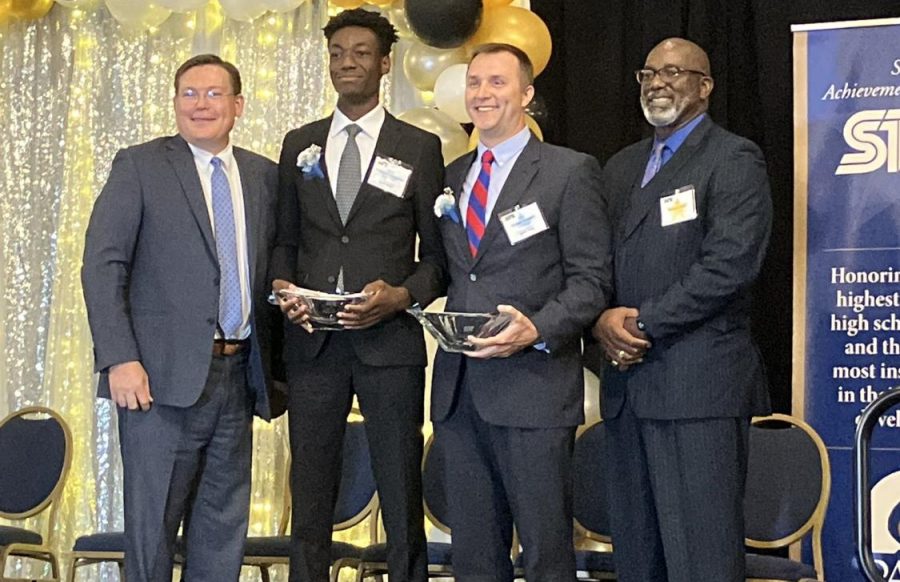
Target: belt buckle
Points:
(228, 348)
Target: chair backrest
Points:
(788, 485)
(434, 489)
(589, 483)
(35, 456)
(357, 495)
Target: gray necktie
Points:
(349, 178)
(348, 181)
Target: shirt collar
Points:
(205, 158)
(674, 141)
(370, 123)
(506, 150)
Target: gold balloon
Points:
(381, 3)
(495, 3)
(347, 3)
(453, 137)
(29, 9)
(518, 27)
(397, 15)
(423, 64)
(529, 121)
(4, 12)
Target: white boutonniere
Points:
(445, 205)
(309, 162)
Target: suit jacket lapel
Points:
(321, 187)
(642, 200)
(385, 146)
(517, 183)
(456, 178)
(250, 186)
(182, 160)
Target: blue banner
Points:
(847, 267)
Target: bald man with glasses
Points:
(691, 213)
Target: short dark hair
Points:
(382, 28)
(526, 69)
(209, 59)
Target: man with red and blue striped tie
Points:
(532, 244)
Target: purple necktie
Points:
(654, 163)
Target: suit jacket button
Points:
(345, 239)
(331, 279)
(211, 320)
(216, 281)
(473, 277)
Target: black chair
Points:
(35, 456)
(373, 561)
(590, 506)
(593, 549)
(357, 500)
(788, 487)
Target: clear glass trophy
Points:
(451, 329)
(324, 307)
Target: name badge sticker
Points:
(522, 222)
(390, 175)
(679, 206)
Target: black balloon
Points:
(444, 23)
(537, 108)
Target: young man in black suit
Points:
(355, 191)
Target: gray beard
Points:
(660, 118)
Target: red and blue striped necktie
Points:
(476, 214)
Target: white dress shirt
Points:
(370, 124)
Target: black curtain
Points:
(591, 102)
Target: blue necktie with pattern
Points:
(230, 315)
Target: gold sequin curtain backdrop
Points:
(75, 87)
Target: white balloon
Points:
(450, 92)
(137, 13)
(282, 5)
(244, 10)
(181, 5)
(454, 140)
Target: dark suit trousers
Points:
(192, 464)
(391, 399)
(498, 476)
(676, 492)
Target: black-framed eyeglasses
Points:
(193, 95)
(667, 74)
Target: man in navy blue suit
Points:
(531, 242)
(691, 214)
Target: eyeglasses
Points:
(193, 95)
(666, 74)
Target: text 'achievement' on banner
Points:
(847, 266)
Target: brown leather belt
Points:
(229, 347)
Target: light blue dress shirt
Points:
(505, 155)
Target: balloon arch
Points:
(441, 34)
